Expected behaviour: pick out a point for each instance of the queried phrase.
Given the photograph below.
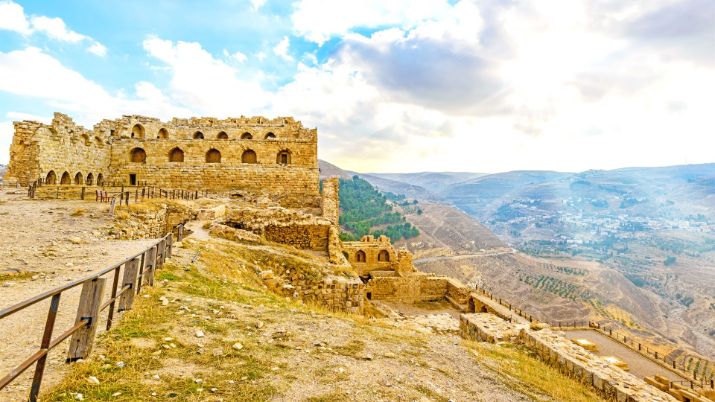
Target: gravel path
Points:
(57, 241)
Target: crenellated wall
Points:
(276, 158)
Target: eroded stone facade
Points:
(277, 158)
(371, 254)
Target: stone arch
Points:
(249, 156)
(79, 178)
(137, 155)
(222, 136)
(138, 131)
(360, 256)
(213, 156)
(270, 136)
(90, 179)
(100, 179)
(65, 178)
(383, 256)
(176, 155)
(198, 135)
(86, 140)
(51, 177)
(283, 157)
(163, 133)
(246, 136)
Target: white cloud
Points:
(281, 49)
(12, 17)
(318, 20)
(237, 56)
(257, 4)
(203, 83)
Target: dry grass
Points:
(529, 375)
(15, 276)
(78, 212)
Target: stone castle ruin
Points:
(277, 157)
(266, 194)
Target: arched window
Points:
(51, 177)
(249, 156)
(246, 136)
(222, 135)
(213, 156)
(163, 133)
(65, 178)
(360, 256)
(176, 155)
(383, 256)
(137, 155)
(90, 179)
(138, 131)
(198, 135)
(100, 179)
(283, 157)
(270, 136)
(78, 178)
(86, 140)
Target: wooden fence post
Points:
(82, 196)
(88, 311)
(131, 269)
(180, 234)
(169, 245)
(149, 266)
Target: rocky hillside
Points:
(212, 332)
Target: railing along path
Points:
(138, 271)
(628, 341)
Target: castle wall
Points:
(283, 164)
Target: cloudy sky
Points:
(399, 85)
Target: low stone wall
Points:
(333, 293)
(150, 220)
(303, 236)
(575, 361)
(485, 327)
(412, 288)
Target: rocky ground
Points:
(46, 244)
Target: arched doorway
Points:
(65, 179)
(90, 179)
(100, 179)
(198, 135)
(138, 131)
(246, 136)
(222, 135)
(137, 155)
(51, 177)
(176, 155)
(471, 308)
(360, 256)
(213, 156)
(249, 156)
(163, 134)
(270, 136)
(383, 256)
(78, 178)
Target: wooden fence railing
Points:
(138, 271)
(120, 193)
(624, 339)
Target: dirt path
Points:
(639, 366)
(427, 260)
(55, 242)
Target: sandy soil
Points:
(44, 238)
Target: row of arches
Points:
(213, 155)
(138, 131)
(79, 178)
(361, 256)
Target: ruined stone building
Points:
(275, 157)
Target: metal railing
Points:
(138, 271)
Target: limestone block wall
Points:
(277, 158)
(577, 362)
(370, 254)
(414, 288)
(149, 221)
(333, 293)
(331, 200)
(61, 152)
(312, 237)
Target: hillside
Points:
(258, 346)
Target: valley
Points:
(632, 248)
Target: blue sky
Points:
(405, 85)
